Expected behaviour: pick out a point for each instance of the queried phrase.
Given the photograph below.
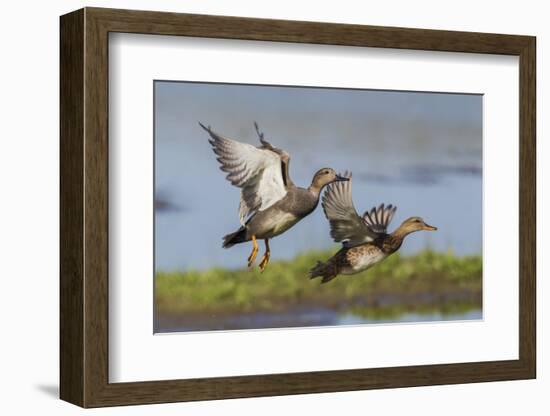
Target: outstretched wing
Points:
(346, 225)
(378, 219)
(257, 171)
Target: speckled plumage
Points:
(365, 241)
(352, 260)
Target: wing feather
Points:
(257, 171)
(379, 218)
(346, 226)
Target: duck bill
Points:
(429, 227)
(341, 178)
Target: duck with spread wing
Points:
(365, 241)
(270, 202)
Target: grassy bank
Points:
(428, 276)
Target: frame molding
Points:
(84, 207)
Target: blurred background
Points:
(419, 151)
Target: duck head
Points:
(323, 177)
(412, 224)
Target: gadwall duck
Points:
(270, 202)
(365, 241)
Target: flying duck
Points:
(365, 241)
(270, 202)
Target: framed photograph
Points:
(255, 207)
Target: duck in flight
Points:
(270, 202)
(365, 241)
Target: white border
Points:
(136, 355)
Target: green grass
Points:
(286, 283)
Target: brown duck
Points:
(365, 241)
(270, 202)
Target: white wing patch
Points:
(271, 188)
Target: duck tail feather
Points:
(237, 237)
(327, 271)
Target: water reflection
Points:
(312, 317)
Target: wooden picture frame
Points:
(84, 207)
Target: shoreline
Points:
(414, 280)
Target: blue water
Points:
(350, 319)
(312, 317)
